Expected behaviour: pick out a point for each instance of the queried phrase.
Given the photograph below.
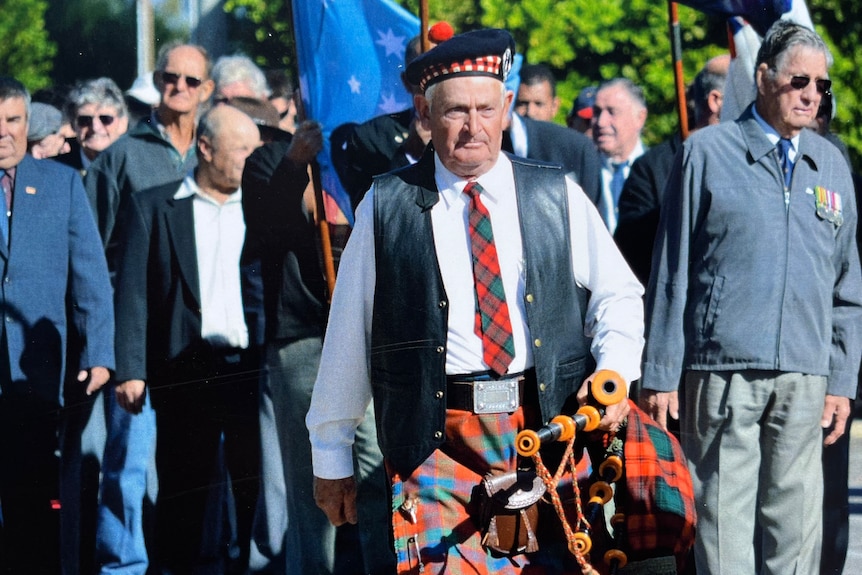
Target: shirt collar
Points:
(452, 186)
(190, 188)
(636, 152)
(772, 133)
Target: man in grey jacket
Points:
(755, 303)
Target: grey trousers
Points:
(753, 443)
(292, 535)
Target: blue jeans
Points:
(128, 477)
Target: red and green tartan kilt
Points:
(441, 531)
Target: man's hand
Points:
(337, 498)
(836, 410)
(306, 143)
(614, 414)
(130, 395)
(95, 378)
(658, 404)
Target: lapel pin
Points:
(30, 190)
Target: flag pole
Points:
(678, 75)
(320, 208)
(423, 25)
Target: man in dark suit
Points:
(184, 332)
(640, 199)
(49, 249)
(556, 144)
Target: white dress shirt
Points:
(219, 237)
(608, 175)
(614, 316)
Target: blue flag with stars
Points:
(350, 57)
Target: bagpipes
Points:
(640, 468)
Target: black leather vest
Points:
(409, 325)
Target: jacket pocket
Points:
(712, 308)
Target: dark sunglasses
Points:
(800, 82)
(87, 121)
(172, 78)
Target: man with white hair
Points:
(237, 75)
(423, 323)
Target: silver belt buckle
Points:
(499, 396)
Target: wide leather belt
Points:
(486, 395)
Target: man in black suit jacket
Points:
(641, 198)
(556, 144)
(184, 333)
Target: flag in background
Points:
(748, 21)
(350, 56)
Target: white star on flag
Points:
(390, 104)
(394, 44)
(355, 85)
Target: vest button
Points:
(537, 342)
(438, 395)
(442, 304)
(438, 435)
(530, 298)
(440, 349)
(542, 387)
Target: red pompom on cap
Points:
(440, 32)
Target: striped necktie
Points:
(492, 313)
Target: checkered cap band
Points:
(485, 66)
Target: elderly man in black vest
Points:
(470, 267)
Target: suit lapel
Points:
(180, 221)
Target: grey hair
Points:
(165, 51)
(634, 91)
(782, 37)
(12, 88)
(101, 92)
(240, 68)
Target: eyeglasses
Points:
(172, 78)
(87, 121)
(800, 82)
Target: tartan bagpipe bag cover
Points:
(660, 511)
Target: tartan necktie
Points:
(492, 313)
(784, 146)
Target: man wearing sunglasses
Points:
(159, 150)
(99, 116)
(755, 305)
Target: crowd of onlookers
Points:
(205, 300)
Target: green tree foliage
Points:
(842, 30)
(263, 30)
(586, 42)
(26, 51)
(98, 38)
